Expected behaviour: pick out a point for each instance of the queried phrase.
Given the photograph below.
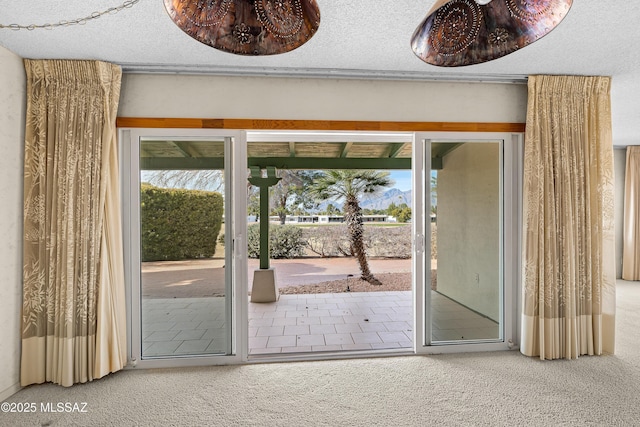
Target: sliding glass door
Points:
(186, 194)
(182, 238)
(470, 239)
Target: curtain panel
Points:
(74, 319)
(631, 233)
(568, 242)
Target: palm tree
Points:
(350, 185)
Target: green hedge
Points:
(285, 241)
(179, 224)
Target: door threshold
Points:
(329, 355)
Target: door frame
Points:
(235, 172)
(512, 224)
(511, 198)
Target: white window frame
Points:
(511, 184)
(235, 169)
(512, 208)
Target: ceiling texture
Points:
(368, 39)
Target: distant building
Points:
(329, 219)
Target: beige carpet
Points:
(477, 389)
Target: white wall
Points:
(620, 163)
(468, 221)
(12, 113)
(153, 95)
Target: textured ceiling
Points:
(357, 38)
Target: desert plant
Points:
(350, 185)
(389, 242)
(328, 241)
(333, 240)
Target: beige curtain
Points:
(568, 265)
(73, 324)
(631, 234)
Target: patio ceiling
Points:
(185, 155)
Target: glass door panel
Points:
(466, 235)
(185, 249)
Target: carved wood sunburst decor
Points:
(465, 32)
(247, 27)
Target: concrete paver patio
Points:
(184, 311)
(331, 322)
(304, 323)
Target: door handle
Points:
(237, 247)
(418, 242)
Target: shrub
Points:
(434, 241)
(389, 242)
(328, 240)
(333, 240)
(290, 241)
(179, 224)
(285, 241)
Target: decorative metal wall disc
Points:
(465, 32)
(247, 27)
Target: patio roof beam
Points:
(345, 149)
(436, 163)
(396, 149)
(181, 147)
(181, 163)
(308, 163)
(312, 163)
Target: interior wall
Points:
(620, 164)
(468, 220)
(12, 122)
(197, 96)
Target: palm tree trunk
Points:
(353, 217)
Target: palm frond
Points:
(342, 183)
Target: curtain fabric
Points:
(631, 234)
(568, 265)
(73, 321)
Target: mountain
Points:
(377, 201)
(383, 200)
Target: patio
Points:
(305, 323)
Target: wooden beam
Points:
(450, 147)
(181, 163)
(396, 149)
(436, 163)
(292, 149)
(308, 163)
(313, 163)
(181, 148)
(319, 125)
(345, 149)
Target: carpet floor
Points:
(472, 389)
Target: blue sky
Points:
(402, 179)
